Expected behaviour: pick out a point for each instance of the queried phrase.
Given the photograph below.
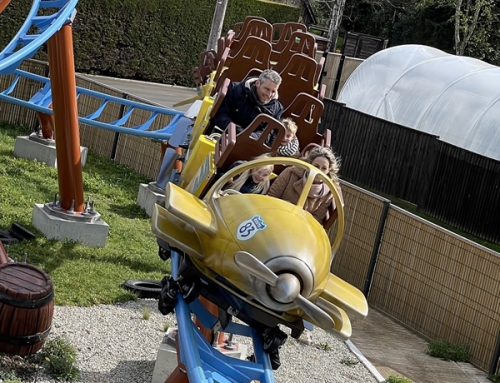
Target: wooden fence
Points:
(448, 183)
(331, 68)
(431, 280)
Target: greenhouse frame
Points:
(454, 97)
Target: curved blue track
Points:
(35, 31)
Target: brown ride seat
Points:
(215, 106)
(285, 34)
(255, 27)
(319, 69)
(223, 43)
(210, 59)
(254, 54)
(306, 110)
(232, 147)
(239, 27)
(298, 76)
(207, 66)
(299, 42)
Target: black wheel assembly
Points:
(143, 288)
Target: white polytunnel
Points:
(454, 97)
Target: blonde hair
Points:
(290, 125)
(322, 151)
(261, 187)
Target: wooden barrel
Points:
(26, 308)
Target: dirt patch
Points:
(24, 368)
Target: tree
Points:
(473, 20)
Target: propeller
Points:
(284, 288)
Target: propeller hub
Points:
(286, 289)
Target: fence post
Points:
(116, 139)
(376, 247)
(340, 67)
(338, 77)
(496, 357)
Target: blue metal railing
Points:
(35, 31)
(41, 101)
(26, 43)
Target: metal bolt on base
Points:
(88, 215)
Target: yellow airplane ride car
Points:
(259, 258)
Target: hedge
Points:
(151, 40)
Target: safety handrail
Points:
(42, 100)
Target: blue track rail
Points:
(205, 364)
(35, 31)
(41, 101)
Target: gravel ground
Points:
(115, 344)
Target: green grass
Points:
(82, 276)
(494, 378)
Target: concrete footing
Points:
(166, 359)
(35, 148)
(147, 198)
(92, 234)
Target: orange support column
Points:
(47, 124)
(178, 163)
(207, 333)
(179, 374)
(64, 104)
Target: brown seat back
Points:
(298, 76)
(254, 54)
(299, 42)
(220, 97)
(255, 27)
(207, 64)
(231, 148)
(285, 34)
(215, 107)
(319, 69)
(331, 216)
(239, 27)
(306, 110)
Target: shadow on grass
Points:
(52, 258)
(129, 211)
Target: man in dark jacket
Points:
(247, 99)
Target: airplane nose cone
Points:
(287, 288)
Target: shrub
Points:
(442, 348)
(349, 362)
(59, 359)
(398, 379)
(146, 313)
